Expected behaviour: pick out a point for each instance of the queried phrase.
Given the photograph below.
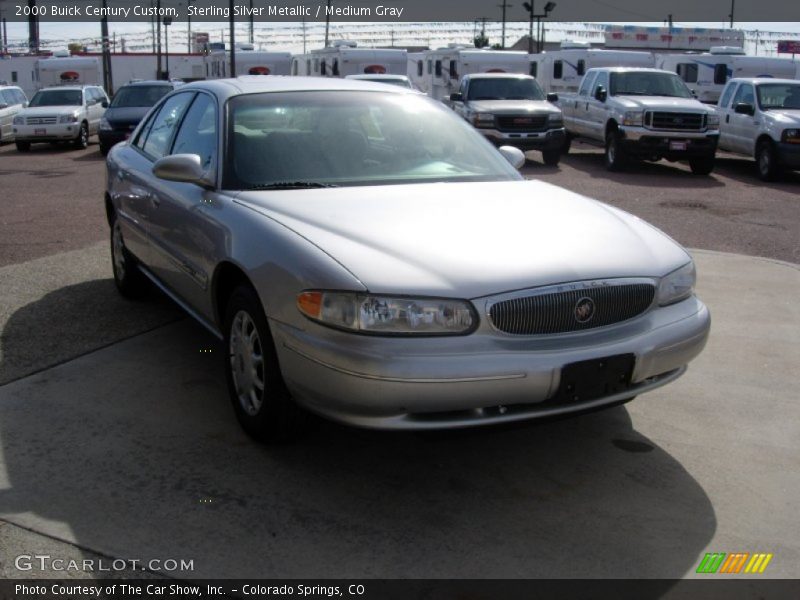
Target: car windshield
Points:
(57, 98)
(638, 83)
(511, 88)
(779, 95)
(139, 95)
(339, 138)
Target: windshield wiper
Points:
(291, 185)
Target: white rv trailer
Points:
(438, 72)
(248, 62)
(708, 72)
(67, 70)
(345, 58)
(561, 71)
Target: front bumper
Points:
(789, 155)
(58, 132)
(677, 145)
(552, 139)
(486, 377)
(111, 137)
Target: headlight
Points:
(19, 120)
(105, 125)
(633, 118)
(388, 315)
(555, 120)
(713, 121)
(791, 136)
(68, 119)
(483, 120)
(678, 285)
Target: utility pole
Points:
(733, 4)
(167, 23)
(158, 40)
(504, 5)
(108, 84)
(33, 28)
(529, 7)
(153, 28)
(233, 38)
(189, 25)
(252, 37)
(327, 22)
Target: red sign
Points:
(789, 46)
(375, 70)
(70, 76)
(258, 71)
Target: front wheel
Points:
(551, 157)
(23, 146)
(702, 166)
(260, 398)
(615, 156)
(82, 141)
(766, 161)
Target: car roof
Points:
(497, 76)
(376, 76)
(758, 80)
(149, 82)
(630, 70)
(254, 84)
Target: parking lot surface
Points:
(117, 438)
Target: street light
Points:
(540, 26)
(504, 5)
(529, 7)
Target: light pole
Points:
(733, 3)
(252, 37)
(327, 22)
(232, 24)
(504, 5)
(189, 25)
(529, 7)
(167, 23)
(159, 74)
(540, 26)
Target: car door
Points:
(597, 112)
(96, 109)
(184, 235)
(8, 108)
(742, 127)
(725, 111)
(138, 189)
(580, 109)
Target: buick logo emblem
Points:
(584, 310)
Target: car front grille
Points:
(521, 122)
(675, 121)
(41, 120)
(559, 312)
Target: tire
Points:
(104, 149)
(702, 166)
(262, 402)
(566, 145)
(82, 141)
(615, 158)
(127, 277)
(23, 146)
(551, 157)
(767, 161)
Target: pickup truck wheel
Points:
(260, 398)
(127, 277)
(23, 146)
(551, 157)
(766, 161)
(82, 141)
(615, 155)
(702, 166)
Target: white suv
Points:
(760, 117)
(61, 114)
(12, 100)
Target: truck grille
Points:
(564, 311)
(41, 120)
(675, 121)
(521, 122)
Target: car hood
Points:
(470, 240)
(126, 114)
(41, 111)
(663, 102)
(784, 116)
(512, 106)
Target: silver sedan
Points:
(366, 255)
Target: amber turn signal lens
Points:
(310, 304)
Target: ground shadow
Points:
(135, 452)
(744, 171)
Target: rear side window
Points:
(726, 95)
(164, 124)
(687, 72)
(558, 69)
(720, 73)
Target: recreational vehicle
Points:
(707, 73)
(218, 63)
(438, 72)
(67, 70)
(561, 71)
(345, 58)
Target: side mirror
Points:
(186, 168)
(600, 93)
(744, 108)
(552, 97)
(456, 97)
(513, 155)
(104, 103)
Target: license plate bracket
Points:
(678, 145)
(40, 132)
(591, 379)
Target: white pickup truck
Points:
(760, 117)
(641, 113)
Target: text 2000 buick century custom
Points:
(367, 255)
